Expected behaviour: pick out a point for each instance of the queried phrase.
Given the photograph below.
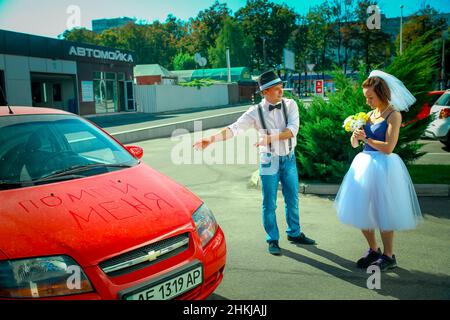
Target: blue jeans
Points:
(286, 172)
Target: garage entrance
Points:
(57, 91)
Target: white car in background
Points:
(440, 128)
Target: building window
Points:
(110, 76)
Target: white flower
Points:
(360, 123)
(347, 121)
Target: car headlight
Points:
(42, 278)
(205, 223)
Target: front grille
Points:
(140, 258)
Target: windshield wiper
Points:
(76, 169)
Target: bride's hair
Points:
(380, 88)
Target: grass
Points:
(430, 174)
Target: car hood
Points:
(94, 218)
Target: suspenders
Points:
(286, 119)
(263, 123)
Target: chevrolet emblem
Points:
(153, 255)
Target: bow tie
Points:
(272, 107)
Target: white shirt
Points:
(275, 124)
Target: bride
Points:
(377, 191)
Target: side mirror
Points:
(137, 152)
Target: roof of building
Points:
(152, 70)
(237, 74)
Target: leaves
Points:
(184, 61)
(231, 36)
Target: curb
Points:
(422, 190)
(166, 130)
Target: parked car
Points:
(81, 217)
(440, 128)
(424, 112)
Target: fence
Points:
(162, 98)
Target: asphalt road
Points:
(437, 153)
(325, 271)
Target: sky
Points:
(50, 17)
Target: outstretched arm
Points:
(243, 123)
(223, 135)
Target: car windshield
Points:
(36, 149)
(444, 100)
(433, 98)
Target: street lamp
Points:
(401, 29)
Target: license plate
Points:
(170, 288)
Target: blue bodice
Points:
(375, 131)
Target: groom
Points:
(277, 120)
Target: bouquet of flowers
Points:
(355, 122)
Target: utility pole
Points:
(229, 65)
(401, 29)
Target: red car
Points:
(82, 218)
(424, 112)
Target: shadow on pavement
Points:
(398, 283)
(436, 207)
(216, 297)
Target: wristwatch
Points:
(366, 140)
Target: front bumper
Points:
(212, 257)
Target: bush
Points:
(324, 152)
(198, 83)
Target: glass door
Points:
(105, 90)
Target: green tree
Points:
(417, 68)
(318, 36)
(231, 36)
(298, 43)
(183, 61)
(82, 35)
(205, 28)
(371, 46)
(270, 26)
(422, 22)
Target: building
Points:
(76, 77)
(149, 74)
(100, 25)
